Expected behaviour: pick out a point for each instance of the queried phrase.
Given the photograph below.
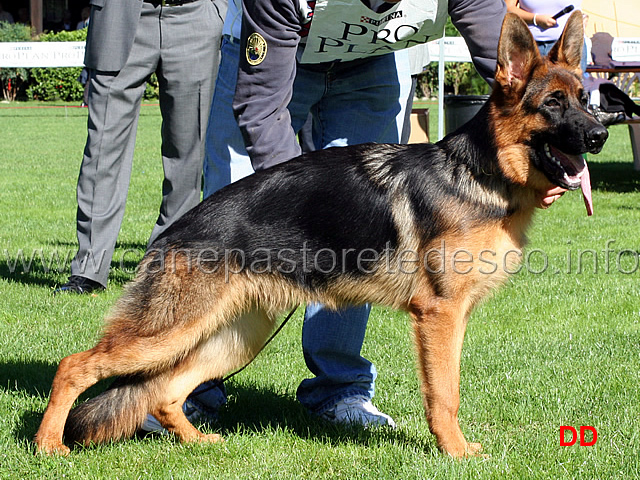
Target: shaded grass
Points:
(559, 345)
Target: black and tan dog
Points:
(429, 229)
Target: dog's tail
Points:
(116, 413)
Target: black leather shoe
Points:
(78, 284)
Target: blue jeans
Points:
(349, 106)
(225, 158)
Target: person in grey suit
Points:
(127, 41)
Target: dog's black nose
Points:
(596, 137)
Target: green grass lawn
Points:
(558, 345)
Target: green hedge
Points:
(48, 84)
(63, 83)
(59, 83)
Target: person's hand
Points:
(545, 199)
(545, 21)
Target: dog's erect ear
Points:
(517, 53)
(568, 48)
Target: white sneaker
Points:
(357, 410)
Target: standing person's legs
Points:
(340, 370)
(114, 104)
(190, 53)
(360, 104)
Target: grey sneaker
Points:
(192, 412)
(200, 406)
(357, 410)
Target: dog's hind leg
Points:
(439, 333)
(75, 374)
(230, 348)
(117, 353)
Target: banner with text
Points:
(348, 30)
(41, 54)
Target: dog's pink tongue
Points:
(585, 184)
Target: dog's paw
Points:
(463, 450)
(52, 448)
(474, 450)
(212, 438)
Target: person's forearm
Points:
(476, 22)
(541, 20)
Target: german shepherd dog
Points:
(370, 223)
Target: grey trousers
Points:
(181, 44)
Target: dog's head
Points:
(541, 108)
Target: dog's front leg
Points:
(439, 334)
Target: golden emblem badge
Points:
(256, 49)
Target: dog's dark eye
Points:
(552, 103)
(556, 100)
